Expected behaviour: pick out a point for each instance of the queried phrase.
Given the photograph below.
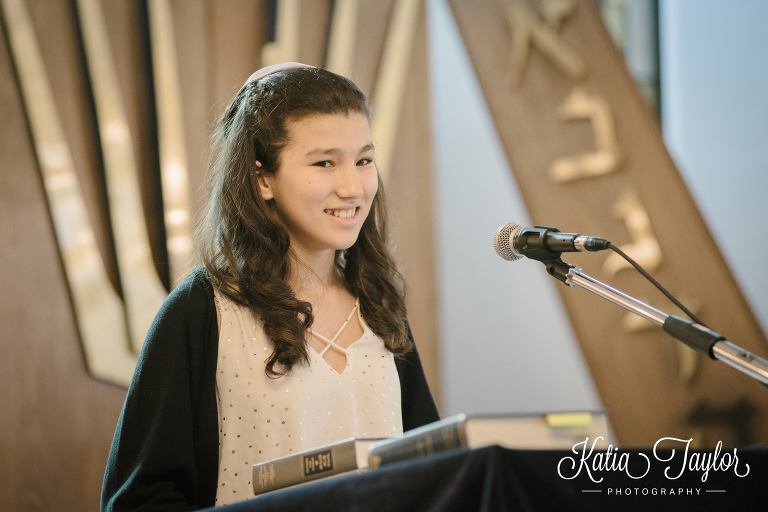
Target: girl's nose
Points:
(348, 182)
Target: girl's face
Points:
(326, 181)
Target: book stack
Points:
(524, 432)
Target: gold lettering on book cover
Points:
(318, 462)
(266, 476)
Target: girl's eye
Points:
(364, 161)
(324, 163)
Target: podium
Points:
(495, 479)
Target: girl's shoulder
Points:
(188, 306)
(195, 291)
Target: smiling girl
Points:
(293, 333)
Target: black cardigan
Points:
(165, 453)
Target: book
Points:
(532, 432)
(340, 457)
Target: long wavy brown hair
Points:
(247, 253)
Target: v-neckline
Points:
(331, 343)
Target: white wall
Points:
(714, 77)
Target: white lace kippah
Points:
(258, 75)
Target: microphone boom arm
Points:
(694, 335)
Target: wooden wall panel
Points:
(128, 31)
(190, 25)
(57, 422)
(373, 22)
(236, 33)
(315, 20)
(55, 22)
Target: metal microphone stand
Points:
(694, 335)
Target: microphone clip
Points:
(537, 243)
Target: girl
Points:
(293, 332)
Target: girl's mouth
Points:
(343, 213)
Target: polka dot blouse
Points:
(261, 418)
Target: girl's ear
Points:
(265, 183)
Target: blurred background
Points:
(106, 107)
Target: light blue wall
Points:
(714, 76)
(506, 344)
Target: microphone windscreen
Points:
(503, 241)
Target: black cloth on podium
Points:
(496, 479)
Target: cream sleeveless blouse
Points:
(262, 418)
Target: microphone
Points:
(512, 242)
